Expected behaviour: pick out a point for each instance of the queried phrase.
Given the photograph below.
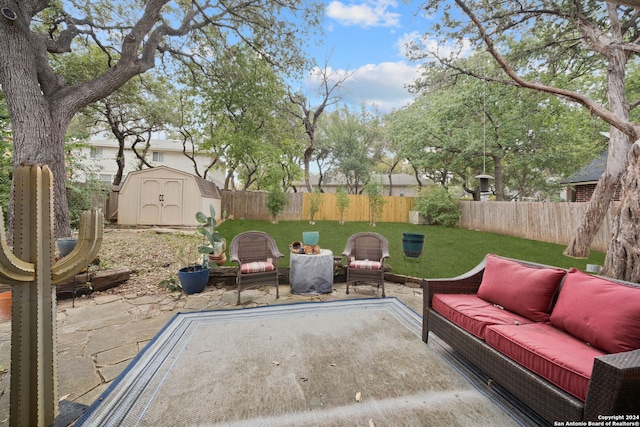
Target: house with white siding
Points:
(101, 151)
(402, 184)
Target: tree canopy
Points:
(132, 38)
(460, 127)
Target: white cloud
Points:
(367, 14)
(405, 41)
(431, 47)
(382, 85)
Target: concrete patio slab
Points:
(98, 335)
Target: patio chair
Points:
(365, 253)
(257, 257)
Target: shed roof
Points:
(206, 188)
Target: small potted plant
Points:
(215, 245)
(194, 278)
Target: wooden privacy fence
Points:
(395, 208)
(252, 205)
(547, 222)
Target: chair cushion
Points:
(554, 355)
(256, 267)
(366, 264)
(473, 314)
(601, 312)
(527, 291)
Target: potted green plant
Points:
(194, 278)
(215, 245)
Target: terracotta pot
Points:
(5, 306)
(218, 259)
(296, 248)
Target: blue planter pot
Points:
(193, 279)
(66, 245)
(412, 244)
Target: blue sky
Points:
(367, 38)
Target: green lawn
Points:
(447, 252)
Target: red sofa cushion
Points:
(473, 314)
(554, 355)
(603, 313)
(527, 291)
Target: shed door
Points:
(161, 201)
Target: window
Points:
(158, 156)
(105, 177)
(96, 153)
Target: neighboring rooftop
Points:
(589, 173)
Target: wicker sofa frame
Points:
(253, 246)
(614, 388)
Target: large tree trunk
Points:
(618, 148)
(308, 153)
(39, 138)
(623, 256)
(117, 179)
(44, 144)
(601, 198)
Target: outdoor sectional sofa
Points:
(564, 343)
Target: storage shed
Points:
(165, 196)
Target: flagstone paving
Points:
(102, 333)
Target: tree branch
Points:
(594, 107)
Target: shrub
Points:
(373, 189)
(342, 202)
(315, 201)
(276, 202)
(82, 196)
(438, 207)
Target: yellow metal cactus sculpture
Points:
(33, 273)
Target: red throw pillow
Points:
(257, 267)
(601, 312)
(367, 265)
(527, 291)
